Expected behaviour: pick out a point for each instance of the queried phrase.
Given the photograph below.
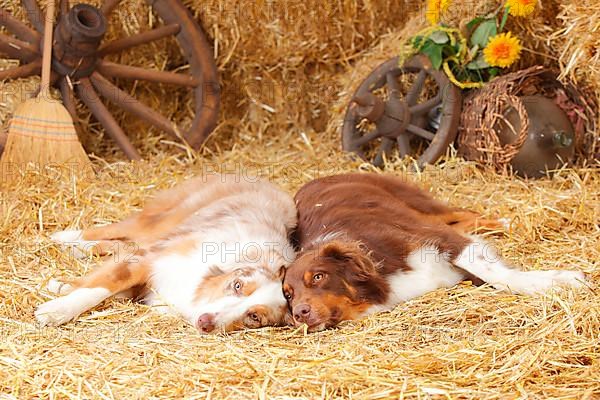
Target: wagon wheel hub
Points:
(77, 37)
(402, 114)
(391, 117)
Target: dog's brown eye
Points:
(317, 277)
(254, 317)
(287, 295)
(237, 286)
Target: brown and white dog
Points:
(369, 242)
(213, 250)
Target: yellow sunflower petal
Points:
(502, 50)
(435, 9)
(521, 8)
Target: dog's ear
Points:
(350, 252)
(358, 269)
(288, 320)
(281, 273)
(213, 271)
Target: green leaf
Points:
(483, 32)
(434, 52)
(504, 18)
(478, 63)
(417, 41)
(439, 37)
(494, 71)
(472, 23)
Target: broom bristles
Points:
(42, 132)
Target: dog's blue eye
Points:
(237, 286)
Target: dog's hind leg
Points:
(479, 259)
(161, 214)
(466, 221)
(89, 291)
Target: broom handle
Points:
(47, 55)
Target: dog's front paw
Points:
(73, 240)
(59, 288)
(55, 312)
(68, 237)
(539, 282)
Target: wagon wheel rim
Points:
(82, 71)
(401, 117)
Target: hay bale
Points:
(577, 44)
(579, 41)
(538, 34)
(276, 59)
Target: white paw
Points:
(538, 282)
(56, 312)
(73, 240)
(69, 237)
(57, 287)
(63, 309)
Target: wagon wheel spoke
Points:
(17, 49)
(139, 39)
(384, 148)
(128, 103)
(392, 84)
(22, 71)
(114, 70)
(68, 98)
(63, 7)
(34, 14)
(425, 134)
(416, 88)
(90, 98)
(53, 79)
(108, 6)
(426, 106)
(403, 145)
(18, 28)
(374, 134)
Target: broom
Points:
(41, 130)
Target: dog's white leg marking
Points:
(67, 237)
(73, 239)
(63, 309)
(480, 259)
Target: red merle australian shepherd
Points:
(369, 242)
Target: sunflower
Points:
(520, 8)
(502, 50)
(435, 9)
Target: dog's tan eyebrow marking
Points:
(307, 277)
(248, 288)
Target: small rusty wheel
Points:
(386, 110)
(79, 67)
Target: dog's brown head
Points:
(333, 283)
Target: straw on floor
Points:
(464, 342)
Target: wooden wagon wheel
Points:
(402, 113)
(80, 70)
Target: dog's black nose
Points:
(301, 312)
